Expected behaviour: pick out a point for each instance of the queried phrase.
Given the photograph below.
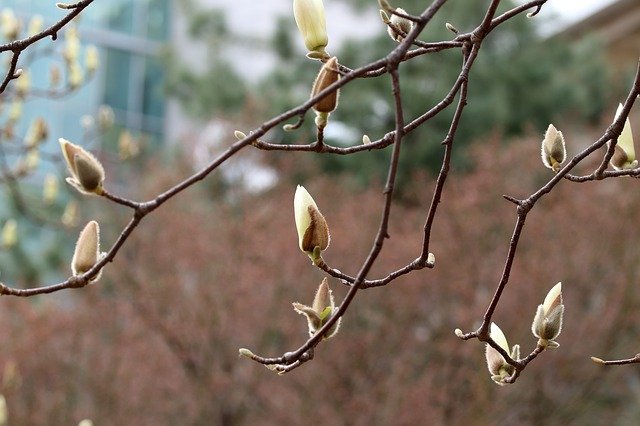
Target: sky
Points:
(572, 10)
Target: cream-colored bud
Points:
(403, 24)
(106, 117)
(553, 150)
(366, 140)
(320, 311)
(23, 84)
(54, 75)
(128, 146)
(75, 75)
(35, 25)
(87, 252)
(245, 353)
(87, 174)
(499, 368)
(10, 233)
(38, 132)
(71, 45)
(624, 156)
(3, 411)
(32, 160)
(10, 24)
(50, 189)
(309, 16)
(86, 122)
(547, 323)
(86, 422)
(92, 59)
(70, 215)
(239, 135)
(313, 231)
(15, 111)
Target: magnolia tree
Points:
(324, 315)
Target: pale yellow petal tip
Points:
(431, 260)
(597, 360)
(244, 352)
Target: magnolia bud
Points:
(128, 146)
(35, 25)
(320, 311)
(313, 231)
(328, 75)
(3, 411)
(38, 132)
(499, 368)
(553, 150)
(105, 117)
(401, 23)
(624, 156)
(54, 75)
(87, 252)
(86, 171)
(86, 422)
(309, 16)
(71, 45)
(92, 59)
(70, 214)
(547, 322)
(75, 75)
(9, 24)
(23, 84)
(10, 233)
(50, 189)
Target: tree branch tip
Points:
(598, 360)
(535, 12)
(66, 6)
(512, 199)
(244, 352)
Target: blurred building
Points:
(129, 35)
(618, 26)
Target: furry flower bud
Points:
(400, 23)
(87, 252)
(624, 156)
(547, 322)
(320, 311)
(309, 16)
(313, 231)
(499, 368)
(553, 149)
(87, 174)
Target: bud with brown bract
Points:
(87, 252)
(624, 156)
(87, 173)
(553, 149)
(328, 75)
(401, 23)
(547, 322)
(313, 231)
(320, 311)
(499, 368)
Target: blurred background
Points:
(155, 88)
